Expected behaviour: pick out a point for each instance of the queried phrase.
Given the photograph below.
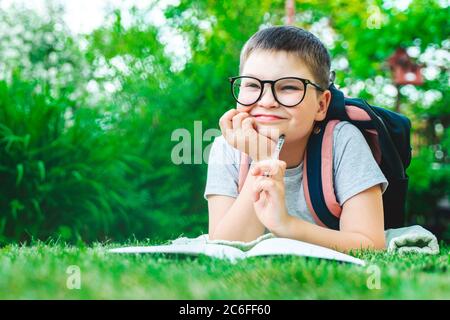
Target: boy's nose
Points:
(267, 99)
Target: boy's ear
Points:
(324, 102)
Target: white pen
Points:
(276, 153)
(280, 143)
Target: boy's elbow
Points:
(375, 244)
(379, 241)
(220, 236)
(226, 236)
(211, 236)
(215, 235)
(368, 243)
(380, 244)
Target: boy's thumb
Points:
(247, 123)
(253, 122)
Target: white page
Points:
(284, 246)
(213, 250)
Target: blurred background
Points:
(91, 92)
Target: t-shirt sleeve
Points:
(222, 177)
(355, 168)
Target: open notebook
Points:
(266, 245)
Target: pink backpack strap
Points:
(358, 114)
(243, 170)
(326, 174)
(327, 170)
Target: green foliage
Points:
(44, 49)
(427, 185)
(62, 177)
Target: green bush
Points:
(62, 174)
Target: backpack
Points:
(388, 136)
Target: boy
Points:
(282, 89)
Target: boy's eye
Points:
(291, 88)
(252, 85)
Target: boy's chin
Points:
(270, 132)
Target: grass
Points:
(39, 271)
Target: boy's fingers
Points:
(247, 123)
(260, 179)
(274, 168)
(263, 185)
(256, 196)
(255, 170)
(242, 108)
(225, 121)
(237, 119)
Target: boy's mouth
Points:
(267, 117)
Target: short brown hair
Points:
(293, 40)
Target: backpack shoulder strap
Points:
(318, 177)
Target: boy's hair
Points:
(295, 40)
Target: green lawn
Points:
(39, 271)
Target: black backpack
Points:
(388, 135)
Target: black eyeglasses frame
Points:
(272, 83)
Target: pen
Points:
(276, 153)
(280, 143)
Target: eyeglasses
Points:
(287, 91)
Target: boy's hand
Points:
(268, 194)
(239, 130)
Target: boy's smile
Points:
(267, 117)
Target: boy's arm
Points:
(361, 225)
(238, 220)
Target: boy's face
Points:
(297, 122)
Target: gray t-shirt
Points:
(354, 170)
